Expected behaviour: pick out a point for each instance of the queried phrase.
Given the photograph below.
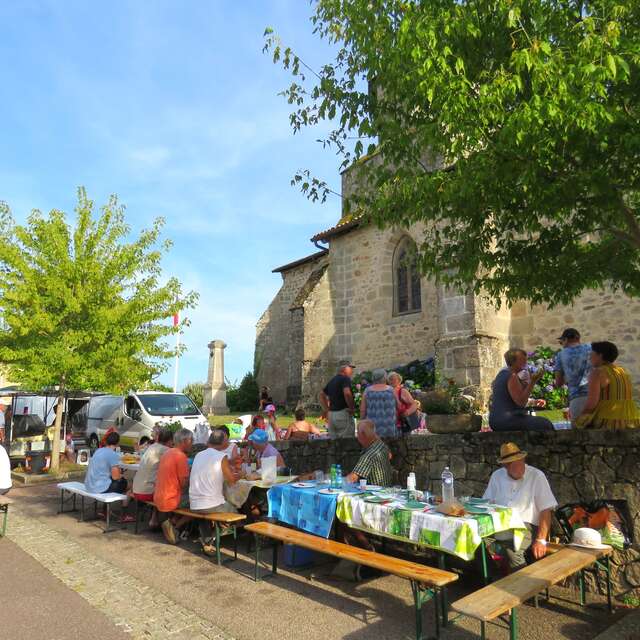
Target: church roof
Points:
(297, 263)
(346, 224)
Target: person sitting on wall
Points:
(374, 464)
(172, 485)
(104, 474)
(265, 398)
(525, 488)
(257, 422)
(610, 403)
(300, 429)
(510, 396)
(271, 425)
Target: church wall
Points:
(598, 315)
(273, 332)
(362, 284)
(319, 361)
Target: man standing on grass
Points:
(573, 366)
(337, 403)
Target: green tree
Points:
(195, 390)
(84, 307)
(243, 397)
(509, 127)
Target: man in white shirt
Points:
(5, 471)
(525, 488)
(210, 469)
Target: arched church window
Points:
(406, 279)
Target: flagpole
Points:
(175, 368)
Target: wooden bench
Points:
(78, 489)
(506, 594)
(222, 518)
(426, 582)
(4, 509)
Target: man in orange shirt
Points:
(172, 484)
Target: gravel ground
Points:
(293, 604)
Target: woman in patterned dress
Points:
(380, 405)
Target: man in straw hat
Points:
(525, 488)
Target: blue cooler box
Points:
(295, 556)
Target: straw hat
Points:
(587, 538)
(510, 452)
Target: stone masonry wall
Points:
(275, 331)
(361, 280)
(580, 465)
(598, 315)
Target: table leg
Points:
(443, 596)
(136, 527)
(61, 501)
(607, 567)
(582, 588)
(5, 510)
(485, 567)
(81, 508)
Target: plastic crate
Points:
(295, 556)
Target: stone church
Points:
(358, 297)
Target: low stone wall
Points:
(580, 465)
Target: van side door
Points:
(132, 428)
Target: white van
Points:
(135, 415)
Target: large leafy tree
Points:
(84, 308)
(510, 127)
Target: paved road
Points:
(35, 604)
(161, 591)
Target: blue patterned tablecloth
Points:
(304, 508)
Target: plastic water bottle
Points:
(447, 485)
(338, 477)
(332, 474)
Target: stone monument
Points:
(215, 390)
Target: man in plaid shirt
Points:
(374, 464)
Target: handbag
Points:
(411, 422)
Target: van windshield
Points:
(168, 404)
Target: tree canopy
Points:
(509, 127)
(85, 307)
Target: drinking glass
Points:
(319, 477)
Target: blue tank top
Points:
(502, 403)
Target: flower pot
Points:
(456, 423)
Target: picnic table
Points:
(238, 493)
(390, 514)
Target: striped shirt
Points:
(374, 465)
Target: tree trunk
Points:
(55, 446)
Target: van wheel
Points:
(93, 443)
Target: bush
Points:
(195, 391)
(243, 397)
(545, 358)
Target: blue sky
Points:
(174, 107)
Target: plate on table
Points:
(331, 492)
(478, 501)
(304, 485)
(413, 505)
(376, 499)
(476, 509)
(373, 487)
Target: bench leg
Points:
(582, 588)
(81, 508)
(443, 595)
(274, 561)
(513, 625)
(235, 542)
(5, 509)
(420, 596)
(136, 526)
(108, 523)
(483, 630)
(218, 557)
(257, 568)
(61, 510)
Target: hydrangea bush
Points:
(555, 398)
